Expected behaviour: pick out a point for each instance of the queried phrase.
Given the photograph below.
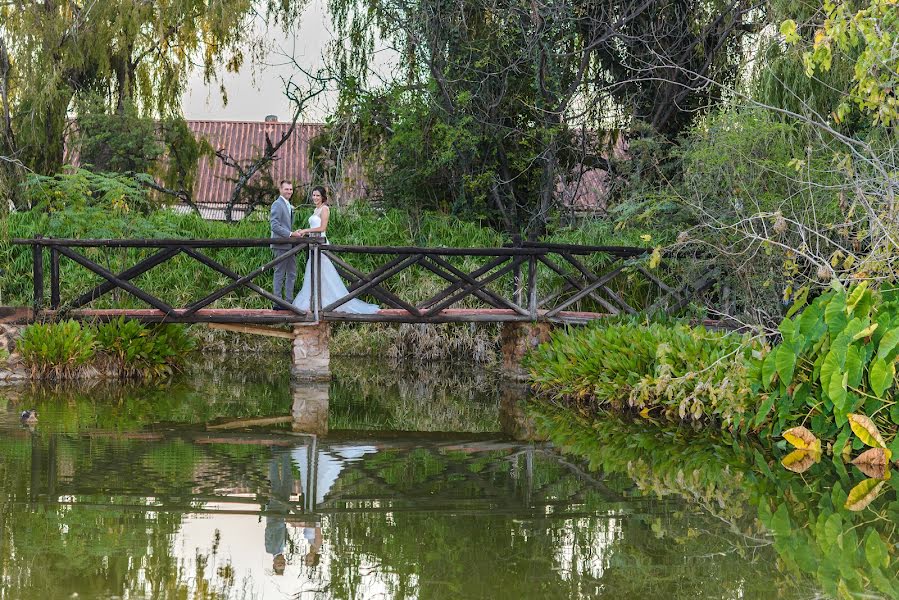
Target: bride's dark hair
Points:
(321, 190)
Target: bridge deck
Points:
(265, 316)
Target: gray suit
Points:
(281, 221)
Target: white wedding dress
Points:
(332, 286)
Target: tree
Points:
(868, 35)
(499, 102)
(129, 52)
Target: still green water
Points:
(403, 484)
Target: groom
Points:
(281, 221)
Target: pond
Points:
(394, 482)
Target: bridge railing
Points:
(532, 281)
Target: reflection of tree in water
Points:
(112, 540)
(818, 543)
(432, 397)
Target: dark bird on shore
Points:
(29, 416)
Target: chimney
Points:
(271, 118)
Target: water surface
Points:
(388, 482)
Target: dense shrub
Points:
(682, 372)
(57, 350)
(123, 347)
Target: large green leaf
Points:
(836, 388)
(830, 367)
(835, 313)
(854, 366)
(769, 368)
(811, 323)
(888, 343)
(856, 299)
(881, 375)
(785, 362)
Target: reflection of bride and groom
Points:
(281, 220)
(288, 471)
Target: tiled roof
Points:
(245, 141)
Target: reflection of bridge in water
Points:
(296, 475)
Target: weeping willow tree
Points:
(780, 78)
(128, 52)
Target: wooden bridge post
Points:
(517, 339)
(310, 356)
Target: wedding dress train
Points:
(332, 285)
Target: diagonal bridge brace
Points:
(243, 282)
(127, 275)
(478, 285)
(350, 272)
(219, 267)
(371, 281)
(115, 280)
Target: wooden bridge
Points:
(528, 287)
(530, 282)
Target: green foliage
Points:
(867, 35)
(682, 372)
(83, 189)
(127, 52)
(477, 120)
(835, 358)
(120, 142)
(62, 350)
(57, 350)
(753, 188)
(135, 349)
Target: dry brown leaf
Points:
(863, 494)
(799, 461)
(802, 438)
(873, 462)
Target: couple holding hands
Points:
(281, 220)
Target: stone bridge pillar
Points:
(309, 411)
(517, 338)
(311, 359)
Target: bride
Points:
(332, 286)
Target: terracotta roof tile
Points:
(244, 141)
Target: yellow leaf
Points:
(863, 494)
(865, 332)
(866, 431)
(646, 237)
(656, 258)
(802, 438)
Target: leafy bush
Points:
(684, 372)
(124, 347)
(135, 349)
(57, 350)
(836, 358)
(83, 188)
